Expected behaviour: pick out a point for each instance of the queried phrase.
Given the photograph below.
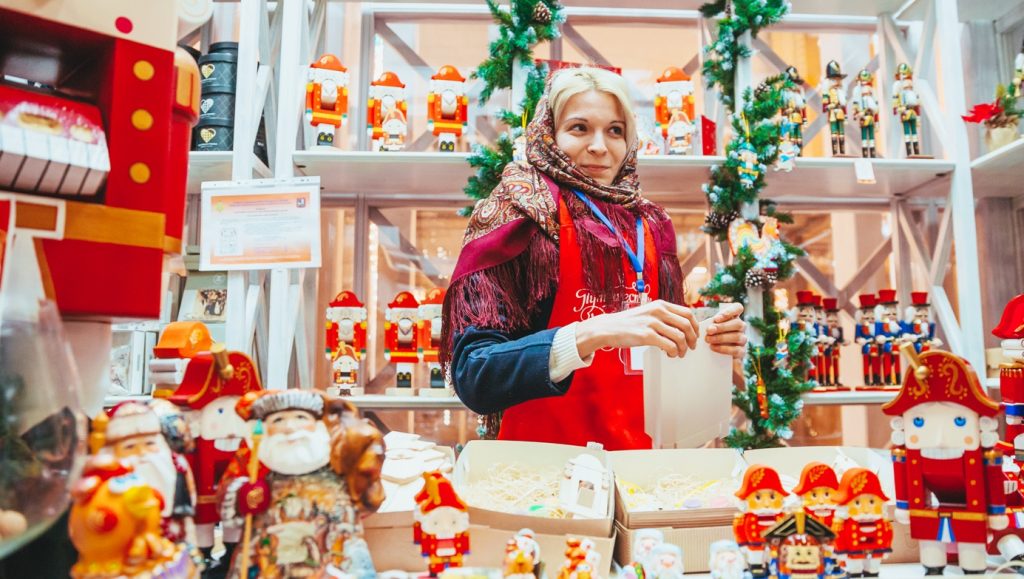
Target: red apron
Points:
(605, 403)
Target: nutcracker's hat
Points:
(448, 73)
(329, 62)
(799, 529)
(438, 492)
(816, 300)
(794, 75)
(887, 297)
(206, 379)
(919, 298)
(867, 301)
(183, 340)
(435, 297)
(673, 74)
(816, 474)
(832, 70)
(1011, 324)
(904, 70)
(404, 300)
(805, 298)
(865, 76)
(937, 376)
(760, 478)
(856, 482)
(346, 299)
(388, 79)
(831, 304)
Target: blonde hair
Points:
(569, 82)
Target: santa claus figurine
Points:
(761, 496)
(864, 534)
(214, 381)
(327, 97)
(401, 347)
(865, 337)
(441, 527)
(428, 340)
(948, 474)
(522, 557)
(317, 472)
(396, 129)
(345, 342)
(447, 107)
(726, 560)
(673, 107)
(919, 328)
(387, 95)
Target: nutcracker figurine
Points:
(447, 107)
(761, 495)
(400, 341)
(749, 169)
(817, 489)
(888, 332)
(835, 339)
(674, 109)
(441, 527)
(345, 343)
(214, 381)
(865, 111)
(327, 98)
(948, 474)
(865, 535)
(1018, 74)
(906, 105)
(833, 102)
(799, 542)
(821, 342)
(428, 341)
(919, 327)
(387, 94)
(794, 110)
(865, 336)
(1010, 542)
(806, 321)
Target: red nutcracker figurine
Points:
(821, 360)
(327, 97)
(447, 107)
(949, 479)
(806, 320)
(888, 334)
(400, 341)
(442, 524)
(920, 329)
(428, 340)
(345, 344)
(387, 96)
(1010, 542)
(761, 508)
(835, 340)
(864, 534)
(817, 488)
(214, 382)
(674, 108)
(865, 336)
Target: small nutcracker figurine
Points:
(906, 105)
(833, 103)
(948, 473)
(888, 331)
(806, 321)
(387, 94)
(761, 496)
(865, 111)
(821, 342)
(674, 109)
(345, 341)
(817, 489)
(401, 347)
(799, 543)
(1009, 543)
(428, 340)
(794, 110)
(919, 327)
(864, 534)
(522, 557)
(441, 527)
(447, 107)
(1018, 74)
(865, 336)
(835, 339)
(327, 98)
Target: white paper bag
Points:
(688, 400)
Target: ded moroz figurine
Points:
(447, 107)
(441, 526)
(401, 346)
(726, 560)
(865, 111)
(674, 109)
(428, 341)
(761, 496)
(948, 473)
(387, 96)
(522, 557)
(864, 534)
(644, 543)
(919, 328)
(345, 341)
(833, 104)
(327, 98)
(888, 334)
(906, 105)
(865, 337)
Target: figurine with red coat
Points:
(865, 336)
(821, 342)
(1010, 542)
(888, 334)
(441, 527)
(447, 107)
(799, 544)
(864, 534)
(919, 327)
(401, 342)
(761, 496)
(948, 472)
(327, 97)
(345, 344)
(807, 321)
(817, 490)
(674, 109)
(428, 340)
(387, 101)
(835, 339)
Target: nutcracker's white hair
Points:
(569, 82)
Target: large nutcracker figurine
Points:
(1010, 542)
(835, 340)
(864, 534)
(906, 105)
(400, 341)
(447, 107)
(806, 321)
(387, 102)
(919, 326)
(888, 331)
(674, 108)
(948, 474)
(833, 103)
(327, 97)
(865, 111)
(761, 496)
(865, 336)
(214, 381)
(441, 527)
(345, 344)
(794, 110)
(428, 341)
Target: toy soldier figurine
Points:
(327, 97)
(794, 110)
(1010, 542)
(428, 340)
(835, 339)
(806, 321)
(919, 327)
(400, 341)
(817, 489)
(865, 535)
(1018, 74)
(865, 336)
(822, 343)
(441, 526)
(888, 332)
(761, 496)
(447, 107)
(906, 105)
(948, 474)
(833, 102)
(865, 111)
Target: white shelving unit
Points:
(998, 173)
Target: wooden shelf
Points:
(967, 10)
(849, 397)
(380, 402)
(215, 166)
(111, 401)
(998, 174)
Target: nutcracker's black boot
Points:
(758, 571)
(218, 568)
(910, 148)
(835, 145)
(933, 570)
(975, 572)
(842, 144)
(917, 148)
(868, 574)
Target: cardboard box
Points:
(694, 541)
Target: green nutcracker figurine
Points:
(1018, 74)
(906, 105)
(865, 111)
(794, 110)
(833, 102)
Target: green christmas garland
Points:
(526, 23)
(776, 371)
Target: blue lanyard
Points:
(635, 257)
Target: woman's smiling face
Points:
(591, 129)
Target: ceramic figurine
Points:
(948, 474)
(817, 490)
(833, 103)
(327, 98)
(345, 343)
(749, 169)
(447, 107)
(865, 111)
(864, 534)
(428, 340)
(644, 543)
(581, 560)
(674, 110)
(919, 327)
(761, 496)
(667, 562)
(387, 103)
(794, 110)
(906, 105)
(441, 527)
(726, 560)
(401, 346)
(888, 331)
(522, 556)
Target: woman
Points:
(565, 269)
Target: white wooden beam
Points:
(810, 271)
(868, 269)
(943, 248)
(947, 319)
(913, 236)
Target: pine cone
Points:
(541, 13)
(717, 221)
(756, 277)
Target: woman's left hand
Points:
(727, 333)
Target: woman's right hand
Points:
(661, 324)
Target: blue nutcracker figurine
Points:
(865, 337)
(919, 327)
(888, 331)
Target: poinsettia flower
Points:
(982, 112)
